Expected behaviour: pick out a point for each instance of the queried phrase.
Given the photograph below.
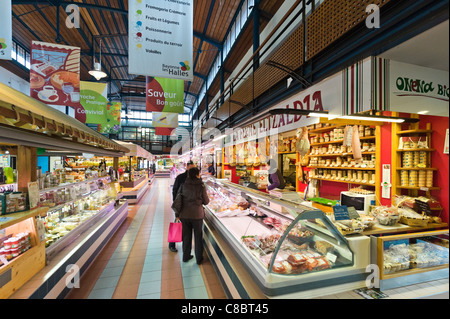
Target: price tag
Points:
(352, 212)
(423, 206)
(340, 213)
(331, 257)
(33, 194)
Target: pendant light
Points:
(97, 71)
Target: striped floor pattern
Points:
(137, 264)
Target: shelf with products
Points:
(22, 253)
(277, 243)
(329, 153)
(413, 169)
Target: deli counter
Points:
(265, 247)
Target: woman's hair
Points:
(193, 173)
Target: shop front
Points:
(365, 171)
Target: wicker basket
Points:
(414, 222)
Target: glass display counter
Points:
(284, 250)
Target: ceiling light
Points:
(219, 138)
(97, 72)
(377, 118)
(423, 112)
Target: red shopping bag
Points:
(175, 231)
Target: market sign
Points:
(94, 101)
(410, 88)
(55, 74)
(326, 95)
(161, 31)
(164, 95)
(5, 30)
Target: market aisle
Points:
(136, 263)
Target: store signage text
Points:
(311, 102)
(420, 86)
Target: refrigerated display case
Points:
(285, 252)
(411, 258)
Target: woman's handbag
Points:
(177, 204)
(175, 233)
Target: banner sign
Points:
(165, 95)
(111, 123)
(5, 30)
(164, 131)
(93, 100)
(168, 120)
(161, 31)
(55, 74)
(414, 88)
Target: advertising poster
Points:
(111, 122)
(164, 95)
(168, 120)
(55, 74)
(161, 31)
(164, 131)
(5, 30)
(94, 101)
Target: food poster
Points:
(55, 74)
(164, 95)
(5, 30)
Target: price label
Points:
(423, 206)
(340, 213)
(352, 212)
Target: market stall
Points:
(46, 214)
(381, 175)
(135, 179)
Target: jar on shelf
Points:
(367, 131)
(361, 130)
(404, 178)
(429, 182)
(422, 178)
(413, 179)
(416, 159)
(423, 159)
(407, 159)
(326, 137)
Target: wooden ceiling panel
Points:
(211, 20)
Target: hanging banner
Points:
(55, 74)
(161, 31)
(168, 120)
(111, 122)
(94, 101)
(164, 131)
(5, 30)
(164, 95)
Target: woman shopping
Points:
(188, 207)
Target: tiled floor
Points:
(137, 264)
(437, 289)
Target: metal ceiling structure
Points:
(107, 21)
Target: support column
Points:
(26, 167)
